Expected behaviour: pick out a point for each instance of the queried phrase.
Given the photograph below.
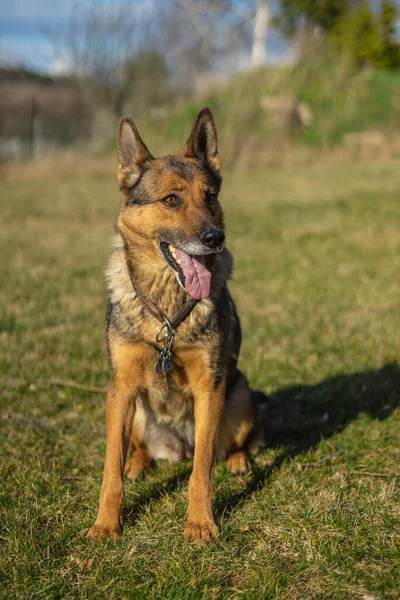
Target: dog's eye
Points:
(170, 201)
(210, 199)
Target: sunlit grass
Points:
(317, 286)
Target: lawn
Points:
(317, 287)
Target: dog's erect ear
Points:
(132, 153)
(202, 142)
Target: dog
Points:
(173, 333)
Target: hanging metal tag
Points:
(164, 363)
(165, 334)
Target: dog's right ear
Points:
(132, 154)
(202, 142)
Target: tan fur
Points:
(191, 412)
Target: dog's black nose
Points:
(212, 237)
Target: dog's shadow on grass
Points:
(298, 417)
(295, 420)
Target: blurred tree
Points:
(262, 21)
(367, 34)
(115, 50)
(368, 37)
(149, 81)
(323, 14)
(302, 20)
(201, 33)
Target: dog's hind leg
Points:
(238, 463)
(241, 432)
(139, 459)
(138, 464)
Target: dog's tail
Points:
(259, 398)
(256, 441)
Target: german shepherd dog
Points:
(173, 333)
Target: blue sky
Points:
(31, 33)
(23, 31)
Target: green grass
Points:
(317, 287)
(341, 100)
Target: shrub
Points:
(368, 38)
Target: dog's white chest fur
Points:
(166, 422)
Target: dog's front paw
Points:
(197, 532)
(99, 532)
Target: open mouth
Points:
(191, 270)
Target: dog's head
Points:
(172, 202)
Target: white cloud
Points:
(60, 66)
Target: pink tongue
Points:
(197, 277)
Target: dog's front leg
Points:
(208, 407)
(120, 410)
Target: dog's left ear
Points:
(202, 142)
(132, 154)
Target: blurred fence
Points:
(38, 113)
